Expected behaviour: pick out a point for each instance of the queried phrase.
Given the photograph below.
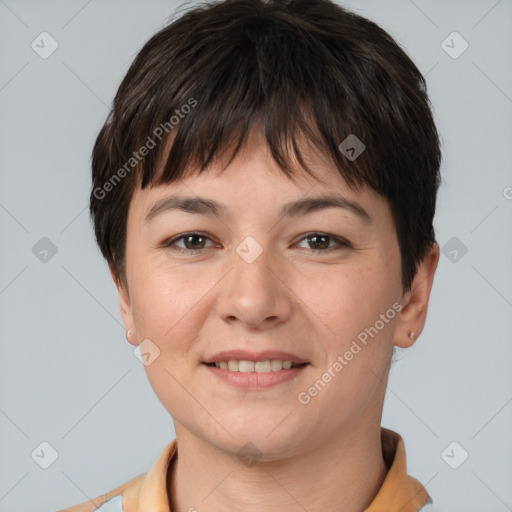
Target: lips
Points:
(239, 354)
(255, 381)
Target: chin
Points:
(256, 443)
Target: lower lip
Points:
(255, 380)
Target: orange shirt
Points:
(148, 492)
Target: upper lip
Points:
(265, 355)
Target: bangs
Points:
(263, 74)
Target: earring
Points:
(411, 335)
(129, 334)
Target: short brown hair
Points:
(291, 66)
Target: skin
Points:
(322, 456)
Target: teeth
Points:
(263, 366)
(245, 366)
(276, 365)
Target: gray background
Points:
(68, 376)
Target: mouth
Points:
(255, 375)
(255, 366)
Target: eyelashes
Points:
(318, 237)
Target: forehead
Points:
(253, 181)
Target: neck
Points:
(342, 474)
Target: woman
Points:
(263, 192)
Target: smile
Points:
(246, 378)
(245, 366)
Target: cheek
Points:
(350, 305)
(354, 338)
(348, 299)
(171, 304)
(163, 301)
(158, 291)
(170, 308)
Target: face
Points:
(308, 283)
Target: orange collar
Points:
(399, 491)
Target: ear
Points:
(415, 302)
(125, 306)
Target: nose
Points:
(255, 293)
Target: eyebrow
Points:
(203, 206)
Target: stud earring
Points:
(411, 335)
(129, 334)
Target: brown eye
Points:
(320, 242)
(192, 242)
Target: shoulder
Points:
(112, 501)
